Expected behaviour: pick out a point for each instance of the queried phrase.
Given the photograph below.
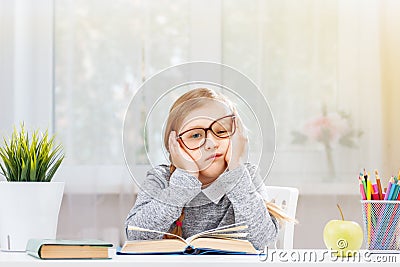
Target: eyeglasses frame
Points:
(207, 129)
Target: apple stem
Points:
(341, 213)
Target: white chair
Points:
(286, 198)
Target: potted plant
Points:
(29, 201)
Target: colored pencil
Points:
(363, 182)
(369, 187)
(386, 228)
(378, 183)
(375, 194)
(391, 181)
(363, 196)
(365, 179)
(391, 225)
(393, 188)
(396, 192)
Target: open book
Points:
(222, 240)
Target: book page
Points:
(135, 228)
(154, 246)
(230, 235)
(73, 252)
(222, 229)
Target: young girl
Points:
(207, 185)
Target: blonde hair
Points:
(190, 101)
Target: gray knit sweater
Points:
(231, 198)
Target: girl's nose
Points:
(211, 142)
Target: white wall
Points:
(312, 218)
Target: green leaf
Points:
(347, 140)
(24, 170)
(298, 138)
(53, 169)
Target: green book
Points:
(68, 249)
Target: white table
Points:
(271, 258)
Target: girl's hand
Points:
(237, 147)
(180, 158)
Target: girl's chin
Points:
(214, 169)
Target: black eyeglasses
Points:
(222, 128)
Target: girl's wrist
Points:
(195, 174)
(242, 181)
(233, 166)
(235, 163)
(183, 178)
(192, 173)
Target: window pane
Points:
(104, 50)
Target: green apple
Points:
(342, 236)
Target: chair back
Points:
(286, 198)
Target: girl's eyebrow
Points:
(185, 128)
(199, 126)
(192, 127)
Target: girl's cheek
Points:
(195, 154)
(226, 145)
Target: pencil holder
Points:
(381, 221)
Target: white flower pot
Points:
(28, 210)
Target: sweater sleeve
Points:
(159, 203)
(249, 207)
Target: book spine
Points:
(33, 253)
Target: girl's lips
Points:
(214, 156)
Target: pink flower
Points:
(326, 128)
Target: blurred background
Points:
(328, 69)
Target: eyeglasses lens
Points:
(222, 128)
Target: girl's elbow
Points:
(269, 237)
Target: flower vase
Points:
(330, 165)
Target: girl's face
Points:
(210, 157)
